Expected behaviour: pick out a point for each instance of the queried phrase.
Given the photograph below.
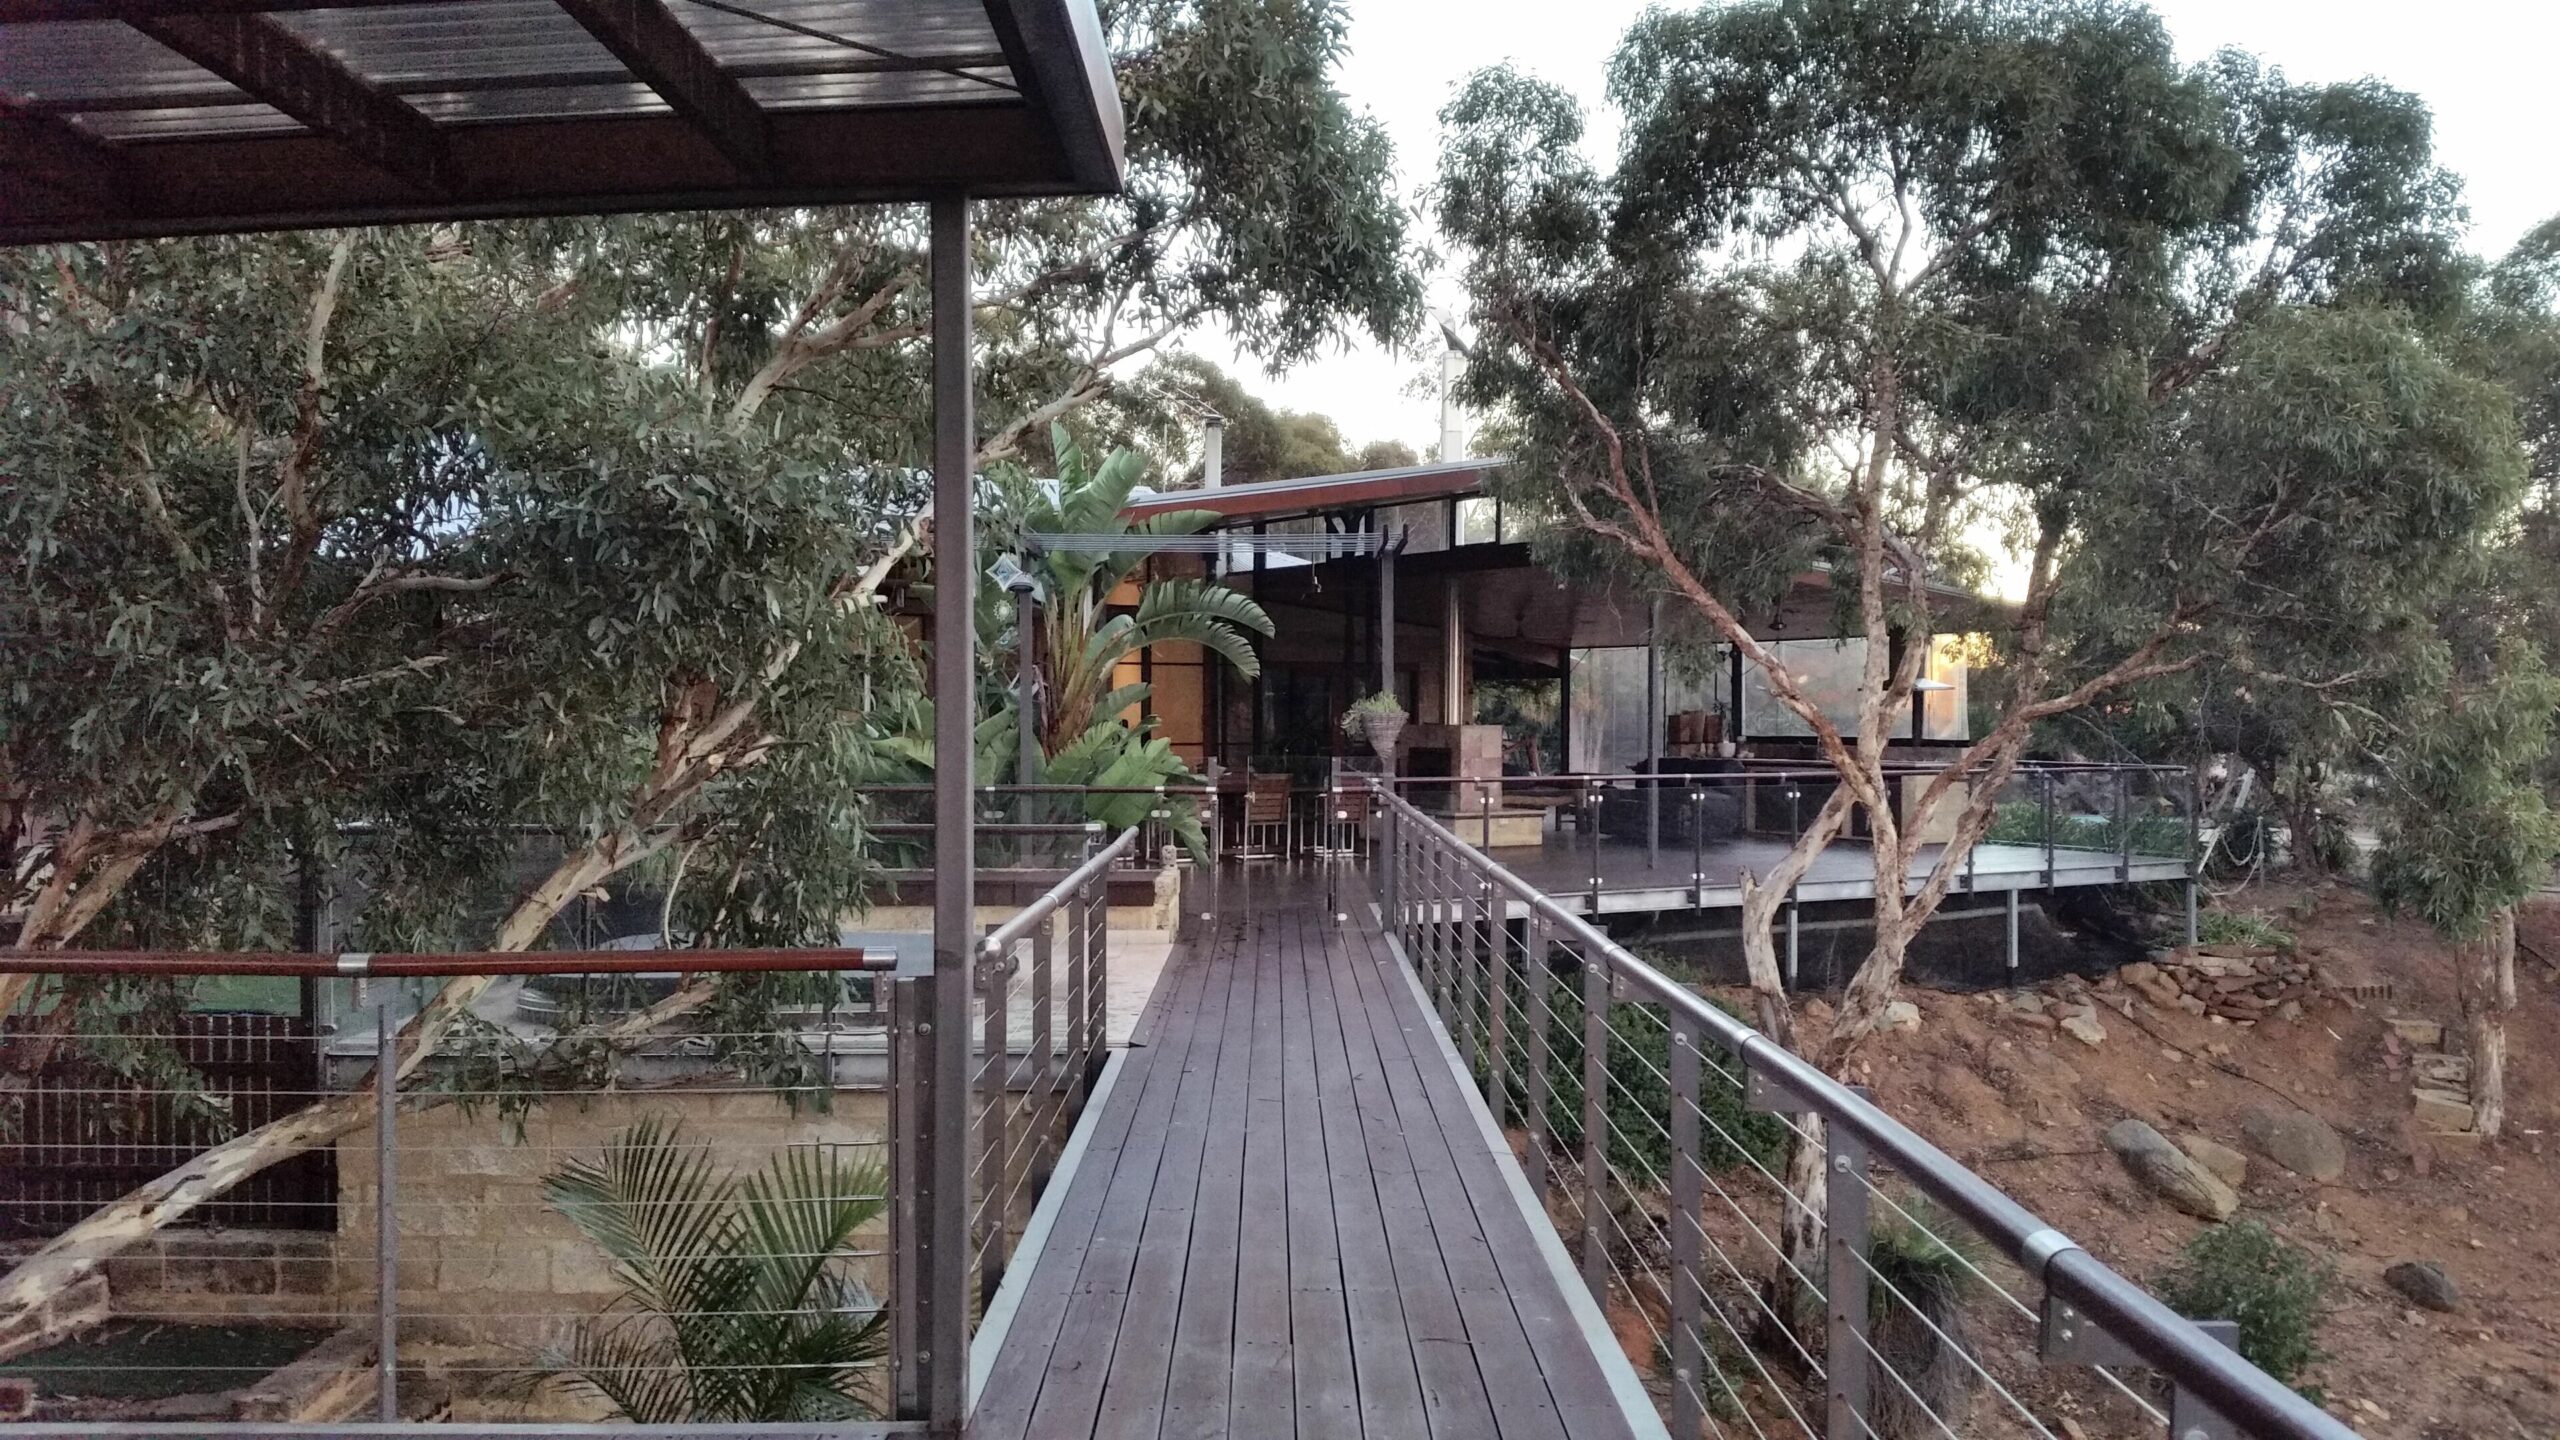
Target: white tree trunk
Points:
(2485, 975)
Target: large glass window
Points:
(1608, 730)
(1830, 673)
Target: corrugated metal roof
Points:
(1262, 499)
(138, 117)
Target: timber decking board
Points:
(1289, 1222)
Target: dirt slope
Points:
(2026, 1105)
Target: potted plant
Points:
(1379, 719)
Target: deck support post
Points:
(938, 1347)
(1795, 939)
(1595, 1123)
(2013, 930)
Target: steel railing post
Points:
(1595, 1126)
(1698, 848)
(1688, 1236)
(386, 1176)
(911, 1217)
(1100, 995)
(2195, 845)
(1540, 1002)
(2124, 825)
(2045, 778)
(1598, 803)
(1847, 1361)
(1386, 855)
(994, 973)
(1497, 1002)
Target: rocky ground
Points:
(2306, 1086)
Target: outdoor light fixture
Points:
(1930, 687)
(1009, 575)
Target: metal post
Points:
(1541, 987)
(2195, 845)
(1386, 857)
(386, 1229)
(944, 1121)
(910, 1234)
(1387, 548)
(994, 1144)
(1653, 736)
(1595, 1123)
(2013, 930)
(1698, 847)
(1080, 1047)
(1688, 1249)
(1795, 940)
(1592, 813)
(1497, 1004)
(1846, 1362)
(2046, 802)
(2124, 825)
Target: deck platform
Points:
(1677, 876)
(1292, 1218)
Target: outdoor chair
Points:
(1266, 817)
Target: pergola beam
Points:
(1066, 75)
(272, 64)
(83, 173)
(647, 37)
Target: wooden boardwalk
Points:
(1289, 1222)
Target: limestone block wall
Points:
(482, 1257)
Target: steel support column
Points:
(942, 1338)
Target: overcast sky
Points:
(2484, 66)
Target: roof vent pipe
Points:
(1213, 452)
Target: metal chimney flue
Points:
(1213, 453)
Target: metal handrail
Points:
(1012, 932)
(1767, 770)
(2232, 1387)
(358, 964)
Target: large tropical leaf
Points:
(735, 1309)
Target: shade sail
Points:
(156, 117)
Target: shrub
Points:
(2233, 927)
(2277, 1292)
(1926, 1267)
(1639, 1066)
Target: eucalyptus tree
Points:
(572, 525)
(1870, 277)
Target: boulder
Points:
(2425, 1283)
(1902, 1015)
(2084, 1027)
(2299, 1141)
(2228, 1165)
(2148, 1156)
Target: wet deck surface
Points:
(1290, 1221)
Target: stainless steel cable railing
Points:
(1802, 1263)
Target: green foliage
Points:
(2234, 927)
(1637, 1103)
(738, 1304)
(1159, 412)
(2469, 831)
(1926, 1266)
(2278, 1293)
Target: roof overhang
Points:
(1314, 494)
(133, 118)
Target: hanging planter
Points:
(1379, 719)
